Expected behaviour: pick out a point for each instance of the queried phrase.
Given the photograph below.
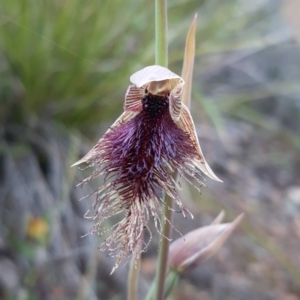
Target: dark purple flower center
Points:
(140, 151)
(154, 106)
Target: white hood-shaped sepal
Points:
(156, 73)
(158, 81)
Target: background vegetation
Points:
(64, 67)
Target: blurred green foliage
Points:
(68, 59)
(71, 60)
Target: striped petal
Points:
(175, 107)
(133, 97)
(186, 123)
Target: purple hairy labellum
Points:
(153, 138)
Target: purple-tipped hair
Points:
(136, 159)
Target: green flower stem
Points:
(158, 286)
(172, 279)
(162, 265)
(134, 270)
(161, 58)
(161, 33)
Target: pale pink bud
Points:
(197, 246)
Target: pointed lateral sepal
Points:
(125, 117)
(186, 123)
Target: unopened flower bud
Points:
(197, 246)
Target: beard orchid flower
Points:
(154, 137)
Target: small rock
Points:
(9, 277)
(293, 194)
(233, 288)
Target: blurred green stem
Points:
(161, 58)
(171, 280)
(161, 33)
(133, 278)
(162, 265)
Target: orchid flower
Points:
(154, 137)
